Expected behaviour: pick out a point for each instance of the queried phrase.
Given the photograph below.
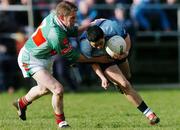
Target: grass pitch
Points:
(101, 110)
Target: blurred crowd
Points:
(132, 14)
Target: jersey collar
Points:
(60, 23)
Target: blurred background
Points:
(154, 26)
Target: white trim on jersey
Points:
(60, 23)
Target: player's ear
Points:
(61, 17)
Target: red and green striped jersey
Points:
(51, 38)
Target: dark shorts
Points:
(116, 62)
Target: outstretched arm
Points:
(98, 59)
(98, 71)
(83, 27)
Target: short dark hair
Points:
(94, 33)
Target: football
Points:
(115, 44)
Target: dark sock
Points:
(142, 107)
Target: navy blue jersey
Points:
(110, 28)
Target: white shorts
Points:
(30, 64)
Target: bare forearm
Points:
(98, 71)
(100, 59)
(82, 28)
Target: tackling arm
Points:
(99, 59)
(83, 27)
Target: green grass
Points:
(102, 110)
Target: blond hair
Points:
(64, 8)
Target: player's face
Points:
(99, 44)
(69, 21)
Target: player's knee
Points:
(58, 89)
(126, 86)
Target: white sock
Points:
(147, 112)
